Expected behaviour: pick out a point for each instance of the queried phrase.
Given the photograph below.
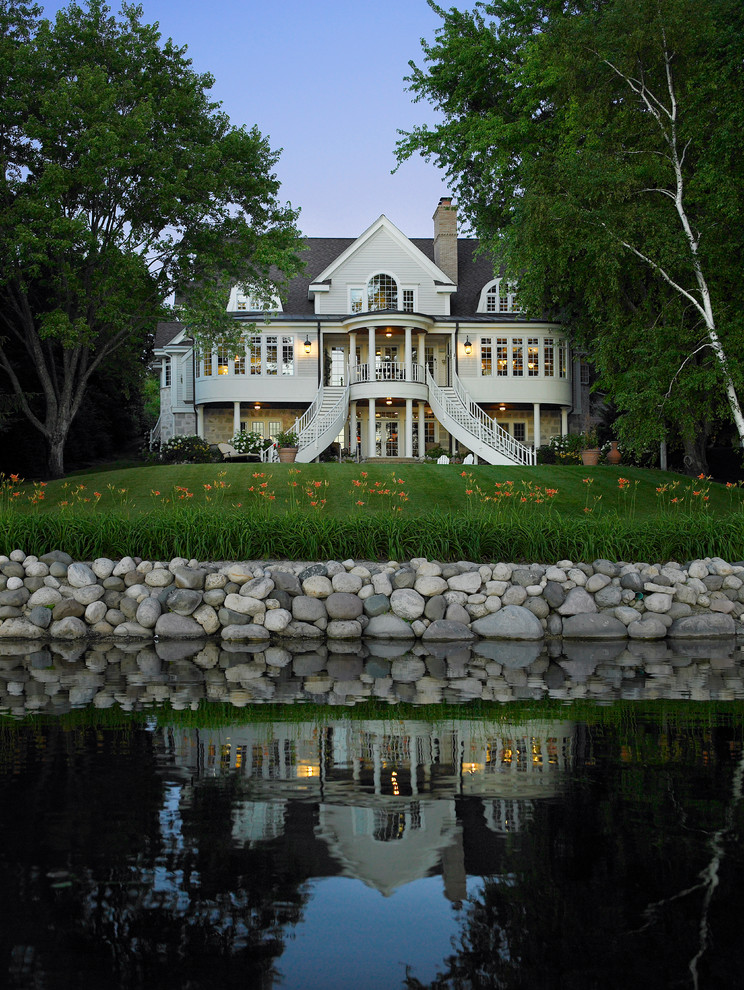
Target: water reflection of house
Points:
(387, 792)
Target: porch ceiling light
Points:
(307, 345)
(388, 332)
(257, 405)
(468, 347)
(388, 401)
(502, 407)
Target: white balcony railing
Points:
(386, 371)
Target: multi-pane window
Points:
(275, 427)
(287, 355)
(382, 293)
(517, 356)
(207, 363)
(240, 362)
(502, 363)
(428, 431)
(272, 347)
(355, 300)
(549, 357)
(486, 357)
(520, 431)
(533, 357)
(166, 373)
(408, 300)
(223, 359)
(255, 344)
(257, 426)
(500, 297)
(584, 373)
(503, 298)
(562, 358)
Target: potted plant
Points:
(287, 442)
(590, 447)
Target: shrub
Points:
(287, 438)
(186, 450)
(546, 454)
(436, 452)
(248, 442)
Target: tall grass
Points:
(224, 533)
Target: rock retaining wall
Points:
(53, 597)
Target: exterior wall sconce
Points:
(468, 347)
(307, 345)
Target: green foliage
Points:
(185, 450)
(121, 181)
(287, 438)
(613, 188)
(435, 452)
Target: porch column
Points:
(352, 428)
(371, 359)
(200, 421)
(409, 357)
(409, 424)
(536, 423)
(564, 420)
(352, 357)
(422, 430)
(236, 418)
(421, 352)
(371, 429)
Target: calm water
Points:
(544, 844)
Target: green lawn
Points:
(155, 488)
(321, 511)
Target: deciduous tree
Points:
(597, 147)
(121, 180)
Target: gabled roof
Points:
(382, 223)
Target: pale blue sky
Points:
(324, 81)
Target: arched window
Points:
(382, 293)
(499, 296)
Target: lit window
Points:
(382, 293)
(502, 362)
(486, 357)
(517, 356)
(549, 357)
(499, 296)
(408, 300)
(223, 359)
(240, 363)
(355, 300)
(257, 426)
(275, 427)
(533, 357)
(287, 355)
(255, 345)
(272, 355)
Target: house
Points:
(388, 345)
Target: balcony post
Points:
(200, 421)
(422, 430)
(352, 356)
(371, 451)
(371, 373)
(409, 422)
(536, 423)
(409, 357)
(236, 417)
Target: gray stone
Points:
(308, 609)
(80, 575)
(190, 577)
(20, 628)
(44, 596)
(70, 627)
(15, 598)
(376, 605)
(171, 625)
(228, 617)
(632, 581)
(14, 569)
(244, 605)
(405, 577)
(553, 593)
(132, 630)
(435, 607)
(429, 585)
(658, 602)
(40, 616)
(538, 607)
(68, 608)
(596, 582)
(95, 613)
(90, 593)
(649, 627)
(183, 601)
(238, 573)
(608, 597)
(515, 594)
(102, 567)
(301, 630)
(317, 586)
(387, 627)
(344, 629)
(277, 619)
(56, 556)
(259, 588)
(578, 602)
(286, 581)
(607, 567)
(405, 670)
(381, 583)
(250, 632)
(407, 603)
(342, 605)
(448, 630)
(148, 612)
(460, 615)
(346, 583)
(469, 582)
(510, 622)
(600, 625)
(314, 570)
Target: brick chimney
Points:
(445, 237)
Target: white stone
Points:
(102, 567)
(577, 576)
(207, 618)
(277, 619)
(245, 605)
(349, 583)
(159, 577)
(407, 603)
(80, 575)
(697, 569)
(502, 572)
(496, 587)
(429, 568)
(90, 593)
(44, 596)
(658, 602)
(18, 556)
(95, 612)
(470, 582)
(381, 584)
(317, 586)
(556, 574)
(14, 583)
(429, 585)
(35, 568)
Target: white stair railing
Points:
(466, 413)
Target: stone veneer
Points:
(54, 597)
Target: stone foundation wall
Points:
(53, 597)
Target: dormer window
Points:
(499, 296)
(382, 293)
(252, 302)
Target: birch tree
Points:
(598, 147)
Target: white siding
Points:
(381, 253)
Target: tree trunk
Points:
(56, 456)
(696, 461)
